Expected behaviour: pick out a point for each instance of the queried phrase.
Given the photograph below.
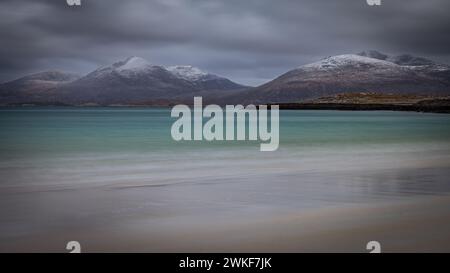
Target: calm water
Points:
(90, 167)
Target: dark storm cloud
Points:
(250, 41)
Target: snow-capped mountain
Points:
(133, 80)
(365, 72)
(133, 64)
(346, 60)
(403, 59)
(190, 73)
(203, 80)
(136, 81)
(413, 62)
(131, 68)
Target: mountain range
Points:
(134, 81)
(131, 81)
(369, 71)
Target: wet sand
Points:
(414, 226)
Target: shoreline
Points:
(284, 106)
(366, 107)
(340, 102)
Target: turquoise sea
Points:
(86, 168)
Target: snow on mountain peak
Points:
(188, 72)
(132, 66)
(133, 63)
(403, 59)
(338, 61)
(374, 54)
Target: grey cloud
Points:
(250, 41)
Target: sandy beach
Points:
(414, 226)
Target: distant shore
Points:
(374, 102)
(344, 101)
(366, 107)
(441, 109)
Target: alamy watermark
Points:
(237, 117)
(73, 247)
(373, 2)
(374, 247)
(78, 2)
(73, 2)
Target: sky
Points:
(248, 41)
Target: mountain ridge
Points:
(135, 81)
(130, 81)
(352, 73)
